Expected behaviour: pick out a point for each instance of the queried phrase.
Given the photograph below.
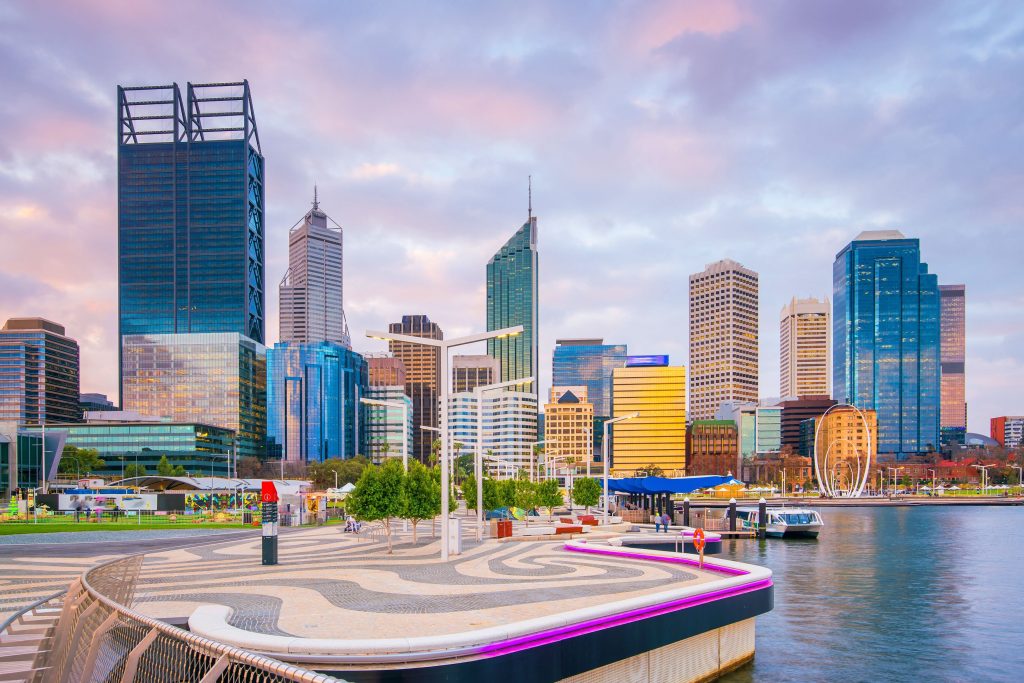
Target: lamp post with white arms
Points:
(1019, 472)
(443, 346)
(533, 457)
(984, 477)
(604, 455)
(405, 424)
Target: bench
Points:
(589, 520)
(569, 529)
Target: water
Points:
(893, 594)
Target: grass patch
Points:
(18, 528)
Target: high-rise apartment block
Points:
(421, 377)
(657, 436)
(886, 344)
(1008, 430)
(311, 290)
(805, 349)
(472, 371)
(512, 300)
(953, 335)
(723, 337)
(39, 370)
(568, 426)
(711, 447)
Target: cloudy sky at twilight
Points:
(661, 136)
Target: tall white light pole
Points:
(1019, 473)
(533, 457)
(478, 460)
(984, 477)
(604, 455)
(443, 346)
(405, 424)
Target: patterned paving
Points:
(329, 585)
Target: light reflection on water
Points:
(893, 594)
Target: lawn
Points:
(50, 526)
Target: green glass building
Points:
(512, 300)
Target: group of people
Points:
(352, 524)
(662, 520)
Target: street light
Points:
(1019, 472)
(405, 424)
(533, 456)
(984, 476)
(604, 455)
(933, 481)
(443, 346)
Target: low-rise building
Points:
(568, 426)
(711, 447)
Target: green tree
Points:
(548, 495)
(651, 470)
(435, 451)
(423, 495)
(80, 460)
(133, 470)
(380, 495)
(506, 490)
(526, 496)
(491, 499)
(586, 492)
(469, 491)
(464, 466)
(453, 503)
(165, 469)
(349, 471)
(249, 467)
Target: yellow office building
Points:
(658, 435)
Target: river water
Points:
(893, 594)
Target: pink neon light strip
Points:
(732, 571)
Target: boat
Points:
(783, 522)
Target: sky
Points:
(661, 136)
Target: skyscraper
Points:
(512, 300)
(190, 187)
(589, 363)
(657, 436)
(38, 373)
(421, 377)
(805, 350)
(472, 371)
(388, 429)
(886, 339)
(723, 337)
(952, 325)
(311, 290)
(509, 429)
(568, 426)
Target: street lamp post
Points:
(604, 455)
(443, 346)
(984, 477)
(405, 424)
(533, 456)
(1019, 473)
(933, 481)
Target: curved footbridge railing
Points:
(98, 637)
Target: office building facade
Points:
(311, 292)
(421, 377)
(388, 429)
(1008, 430)
(589, 363)
(95, 403)
(385, 370)
(794, 412)
(216, 379)
(723, 337)
(805, 348)
(568, 426)
(953, 337)
(843, 439)
(886, 339)
(509, 430)
(711, 447)
(39, 373)
(657, 436)
(472, 371)
(512, 300)
(313, 409)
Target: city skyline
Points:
(415, 193)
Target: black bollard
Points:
(762, 518)
(686, 512)
(732, 514)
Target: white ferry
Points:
(783, 522)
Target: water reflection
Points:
(894, 594)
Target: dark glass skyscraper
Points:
(512, 300)
(886, 339)
(588, 362)
(190, 211)
(38, 373)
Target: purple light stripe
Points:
(574, 630)
(732, 571)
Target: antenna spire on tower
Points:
(316, 202)
(529, 196)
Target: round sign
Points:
(698, 539)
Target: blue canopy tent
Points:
(653, 486)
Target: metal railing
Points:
(99, 638)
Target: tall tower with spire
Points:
(311, 292)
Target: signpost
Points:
(698, 543)
(268, 496)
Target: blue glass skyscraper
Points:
(589, 363)
(512, 300)
(886, 339)
(313, 393)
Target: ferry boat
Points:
(783, 522)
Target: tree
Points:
(548, 495)
(464, 466)
(165, 469)
(349, 471)
(133, 470)
(506, 490)
(379, 495)
(469, 491)
(491, 500)
(80, 460)
(525, 496)
(651, 470)
(248, 467)
(586, 492)
(435, 451)
(423, 495)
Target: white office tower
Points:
(312, 307)
(805, 348)
(509, 427)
